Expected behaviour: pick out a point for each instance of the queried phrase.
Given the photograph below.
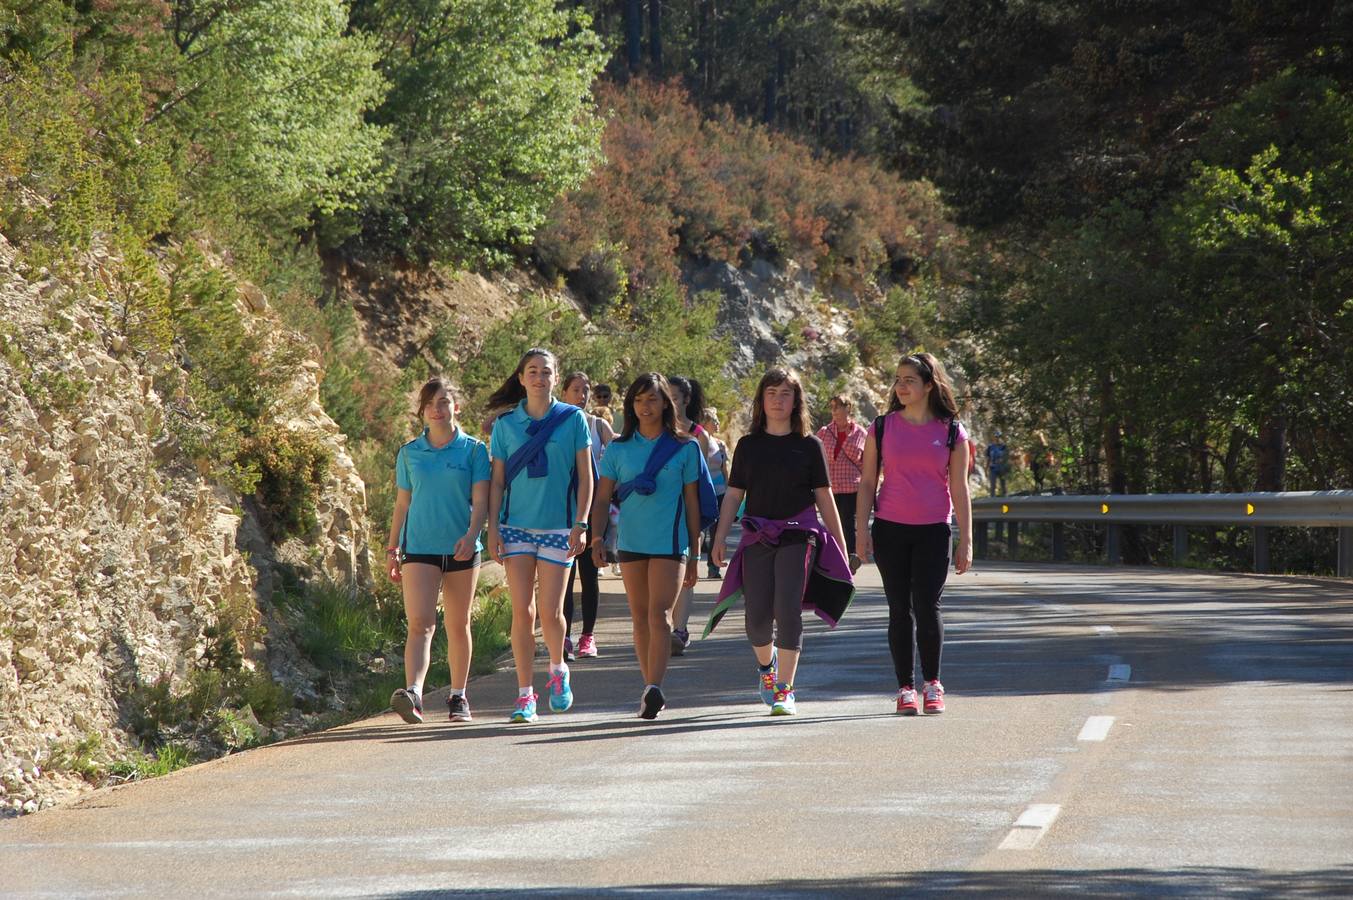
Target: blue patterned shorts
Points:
(547, 544)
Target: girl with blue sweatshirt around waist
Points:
(659, 541)
(539, 496)
(443, 493)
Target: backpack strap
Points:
(952, 439)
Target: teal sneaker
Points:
(766, 679)
(526, 709)
(784, 701)
(561, 695)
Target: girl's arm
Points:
(727, 513)
(479, 510)
(826, 508)
(958, 491)
(601, 519)
(496, 548)
(577, 537)
(864, 500)
(402, 500)
(605, 430)
(691, 494)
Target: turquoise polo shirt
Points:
(655, 523)
(548, 502)
(441, 481)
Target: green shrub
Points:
(292, 466)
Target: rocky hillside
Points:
(119, 560)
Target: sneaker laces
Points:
(768, 680)
(783, 695)
(556, 681)
(906, 694)
(523, 702)
(933, 690)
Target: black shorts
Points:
(628, 556)
(447, 562)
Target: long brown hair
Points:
(513, 391)
(650, 381)
(941, 403)
(798, 418)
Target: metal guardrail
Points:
(1314, 509)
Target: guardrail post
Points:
(1345, 567)
(1181, 544)
(1113, 544)
(1260, 549)
(979, 540)
(1012, 538)
(1058, 543)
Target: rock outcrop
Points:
(116, 553)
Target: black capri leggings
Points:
(586, 571)
(773, 579)
(914, 563)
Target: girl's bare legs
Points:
(457, 598)
(664, 584)
(521, 585)
(550, 605)
(421, 583)
(635, 576)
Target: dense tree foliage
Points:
(490, 115)
(1159, 193)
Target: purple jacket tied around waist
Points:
(829, 589)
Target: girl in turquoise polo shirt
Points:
(659, 542)
(538, 500)
(443, 481)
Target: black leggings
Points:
(583, 564)
(914, 562)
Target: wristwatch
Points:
(582, 525)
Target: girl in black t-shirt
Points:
(782, 471)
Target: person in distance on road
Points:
(718, 471)
(538, 498)
(442, 478)
(659, 541)
(786, 558)
(922, 452)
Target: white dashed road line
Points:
(1030, 827)
(1096, 728)
(1104, 629)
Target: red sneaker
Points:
(587, 646)
(907, 702)
(934, 697)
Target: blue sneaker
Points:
(526, 709)
(767, 677)
(561, 695)
(784, 701)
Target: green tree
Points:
(491, 118)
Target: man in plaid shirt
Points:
(843, 439)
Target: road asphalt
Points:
(1109, 732)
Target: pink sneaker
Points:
(587, 645)
(934, 697)
(907, 703)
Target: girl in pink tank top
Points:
(924, 465)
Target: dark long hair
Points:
(650, 381)
(513, 391)
(798, 418)
(942, 403)
(695, 403)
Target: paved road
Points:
(1110, 732)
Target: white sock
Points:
(646, 690)
(525, 692)
(458, 692)
(417, 690)
(560, 669)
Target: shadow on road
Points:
(1177, 882)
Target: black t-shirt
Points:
(778, 472)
